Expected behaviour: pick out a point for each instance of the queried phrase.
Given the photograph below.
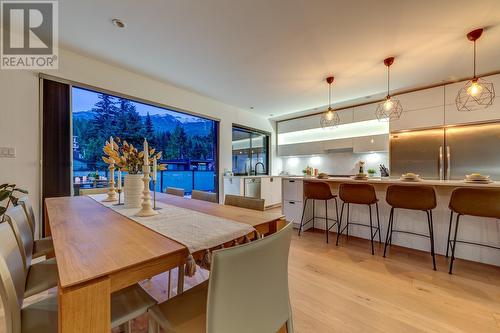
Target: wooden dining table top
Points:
(92, 241)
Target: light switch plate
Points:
(8, 152)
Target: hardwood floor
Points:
(346, 289)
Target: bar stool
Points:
(413, 197)
(360, 194)
(319, 191)
(481, 202)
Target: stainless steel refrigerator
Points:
(448, 152)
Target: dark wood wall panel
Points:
(56, 150)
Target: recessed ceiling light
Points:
(251, 108)
(118, 23)
(271, 115)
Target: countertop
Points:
(258, 176)
(388, 181)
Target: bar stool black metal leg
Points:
(347, 226)
(326, 220)
(392, 227)
(302, 219)
(337, 212)
(431, 236)
(454, 245)
(340, 222)
(449, 234)
(378, 223)
(388, 230)
(371, 228)
(314, 211)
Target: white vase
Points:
(132, 190)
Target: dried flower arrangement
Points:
(127, 157)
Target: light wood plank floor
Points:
(346, 289)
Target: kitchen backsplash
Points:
(337, 163)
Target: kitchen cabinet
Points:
(293, 189)
(421, 109)
(233, 185)
(271, 190)
(307, 148)
(372, 143)
(455, 117)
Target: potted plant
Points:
(371, 172)
(7, 196)
(130, 160)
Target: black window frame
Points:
(251, 131)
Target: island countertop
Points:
(390, 181)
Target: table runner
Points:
(195, 230)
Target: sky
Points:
(84, 100)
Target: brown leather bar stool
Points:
(413, 197)
(319, 191)
(359, 194)
(481, 202)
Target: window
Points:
(188, 143)
(250, 151)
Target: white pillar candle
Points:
(146, 153)
(155, 168)
(119, 179)
(111, 142)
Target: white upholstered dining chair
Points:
(42, 316)
(247, 292)
(40, 276)
(204, 196)
(43, 246)
(175, 191)
(244, 202)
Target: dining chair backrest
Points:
(21, 227)
(203, 195)
(175, 191)
(94, 190)
(248, 288)
(12, 278)
(28, 210)
(244, 202)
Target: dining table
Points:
(100, 251)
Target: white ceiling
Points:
(273, 55)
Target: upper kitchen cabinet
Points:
(421, 109)
(455, 117)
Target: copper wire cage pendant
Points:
(476, 94)
(330, 118)
(390, 109)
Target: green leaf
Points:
(3, 186)
(21, 190)
(4, 195)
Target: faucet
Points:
(263, 168)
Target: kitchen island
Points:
(474, 229)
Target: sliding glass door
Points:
(189, 143)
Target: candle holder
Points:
(154, 196)
(120, 203)
(111, 182)
(146, 209)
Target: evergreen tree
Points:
(149, 129)
(130, 126)
(104, 122)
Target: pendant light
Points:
(330, 118)
(477, 93)
(391, 108)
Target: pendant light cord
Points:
(329, 96)
(388, 78)
(474, 59)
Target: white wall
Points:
(338, 163)
(19, 111)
